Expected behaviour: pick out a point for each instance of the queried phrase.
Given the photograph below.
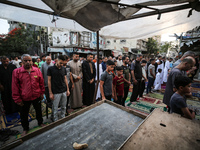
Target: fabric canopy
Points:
(174, 22)
(113, 20)
(18, 14)
(94, 15)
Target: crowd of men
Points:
(71, 82)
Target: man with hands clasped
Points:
(28, 88)
(58, 87)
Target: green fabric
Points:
(144, 107)
(156, 95)
(36, 63)
(43, 107)
(40, 63)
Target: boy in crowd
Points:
(151, 75)
(158, 79)
(106, 81)
(178, 100)
(118, 86)
(144, 77)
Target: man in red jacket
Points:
(28, 88)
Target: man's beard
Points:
(58, 65)
(5, 65)
(27, 66)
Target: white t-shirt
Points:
(144, 72)
(119, 63)
(153, 70)
(16, 63)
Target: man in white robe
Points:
(159, 61)
(157, 82)
(166, 70)
(161, 66)
(98, 96)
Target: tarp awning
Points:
(173, 22)
(113, 17)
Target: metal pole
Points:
(97, 83)
(97, 55)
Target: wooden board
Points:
(164, 131)
(116, 112)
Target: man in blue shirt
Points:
(104, 63)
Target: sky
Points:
(167, 37)
(4, 30)
(3, 26)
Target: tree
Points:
(165, 47)
(17, 41)
(152, 46)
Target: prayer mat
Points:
(150, 100)
(195, 93)
(31, 130)
(195, 85)
(131, 88)
(163, 86)
(43, 107)
(142, 106)
(12, 120)
(195, 89)
(156, 95)
(194, 99)
(195, 106)
(128, 98)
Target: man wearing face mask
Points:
(6, 70)
(58, 87)
(28, 88)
